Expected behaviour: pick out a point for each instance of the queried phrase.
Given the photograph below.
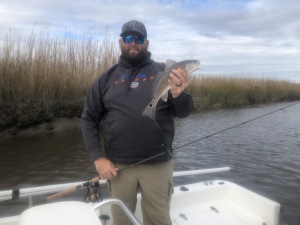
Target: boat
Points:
(212, 202)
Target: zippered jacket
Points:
(114, 109)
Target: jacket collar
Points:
(124, 63)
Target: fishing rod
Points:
(97, 179)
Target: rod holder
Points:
(104, 219)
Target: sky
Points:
(256, 38)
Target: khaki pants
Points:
(155, 183)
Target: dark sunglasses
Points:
(137, 39)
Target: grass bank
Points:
(211, 92)
(43, 78)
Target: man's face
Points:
(132, 50)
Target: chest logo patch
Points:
(134, 84)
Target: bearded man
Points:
(117, 98)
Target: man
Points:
(118, 98)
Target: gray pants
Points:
(155, 183)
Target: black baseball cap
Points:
(134, 26)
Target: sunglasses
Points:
(137, 40)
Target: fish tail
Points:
(149, 112)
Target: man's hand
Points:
(178, 81)
(105, 169)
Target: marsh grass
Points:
(49, 73)
(47, 70)
(225, 91)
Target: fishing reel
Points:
(93, 192)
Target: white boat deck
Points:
(220, 203)
(215, 202)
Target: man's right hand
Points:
(105, 169)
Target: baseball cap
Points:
(134, 26)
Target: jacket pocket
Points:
(133, 140)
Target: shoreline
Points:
(33, 119)
(45, 128)
(69, 120)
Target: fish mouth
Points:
(192, 67)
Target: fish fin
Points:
(164, 97)
(170, 63)
(149, 112)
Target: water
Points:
(264, 155)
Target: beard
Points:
(134, 59)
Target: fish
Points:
(161, 86)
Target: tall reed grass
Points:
(48, 72)
(228, 91)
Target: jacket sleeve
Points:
(182, 105)
(90, 120)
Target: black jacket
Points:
(118, 98)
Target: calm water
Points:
(264, 155)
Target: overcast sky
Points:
(252, 37)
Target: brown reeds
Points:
(227, 91)
(47, 70)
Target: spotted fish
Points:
(161, 87)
